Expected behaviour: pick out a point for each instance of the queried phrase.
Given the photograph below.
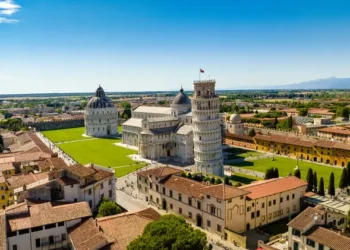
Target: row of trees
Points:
(271, 173)
(211, 179)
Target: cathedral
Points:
(101, 116)
(187, 131)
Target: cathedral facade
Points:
(187, 131)
(101, 116)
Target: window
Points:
(230, 200)
(110, 193)
(75, 200)
(12, 234)
(248, 209)
(49, 226)
(190, 215)
(89, 191)
(287, 197)
(208, 223)
(180, 197)
(157, 200)
(258, 213)
(208, 196)
(171, 193)
(241, 197)
(171, 206)
(60, 224)
(287, 210)
(218, 228)
(218, 200)
(341, 221)
(36, 229)
(281, 199)
(263, 205)
(180, 210)
(189, 201)
(212, 210)
(110, 182)
(269, 203)
(274, 202)
(37, 242)
(199, 205)
(164, 190)
(293, 196)
(320, 246)
(101, 185)
(102, 196)
(253, 204)
(51, 241)
(14, 247)
(157, 188)
(296, 232)
(252, 215)
(3, 197)
(63, 236)
(310, 243)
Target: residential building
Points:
(222, 209)
(308, 232)
(339, 134)
(42, 225)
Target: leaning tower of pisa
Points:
(207, 128)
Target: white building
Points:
(101, 116)
(162, 132)
(235, 125)
(40, 226)
(207, 128)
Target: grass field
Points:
(286, 166)
(70, 134)
(100, 151)
(243, 178)
(236, 153)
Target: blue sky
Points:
(129, 45)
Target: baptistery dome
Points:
(100, 100)
(235, 118)
(181, 98)
(181, 103)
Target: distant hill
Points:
(326, 83)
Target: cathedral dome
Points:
(235, 118)
(100, 100)
(181, 98)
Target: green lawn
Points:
(243, 178)
(100, 151)
(236, 153)
(69, 134)
(287, 165)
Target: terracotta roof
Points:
(340, 145)
(184, 185)
(45, 213)
(25, 157)
(6, 166)
(324, 143)
(16, 181)
(67, 181)
(265, 188)
(319, 111)
(123, 228)
(305, 218)
(100, 174)
(86, 236)
(285, 139)
(3, 237)
(49, 163)
(335, 130)
(223, 192)
(17, 208)
(80, 170)
(328, 238)
(40, 144)
(159, 172)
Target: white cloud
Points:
(7, 20)
(8, 7)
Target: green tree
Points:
(331, 187)
(342, 112)
(108, 207)
(170, 232)
(314, 179)
(343, 182)
(251, 132)
(320, 190)
(303, 112)
(218, 181)
(276, 173)
(227, 180)
(297, 173)
(125, 116)
(275, 122)
(290, 122)
(309, 179)
(212, 180)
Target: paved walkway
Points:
(64, 142)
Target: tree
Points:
(268, 174)
(331, 187)
(227, 180)
(108, 207)
(342, 112)
(314, 179)
(125, 116)
(252, 132)
(189, 176)
(218, 181)
(290, 122)
(1, 141)
(275, 122)
(303, 112)
(309, 179)
(212, 180)
(276, 173)
(170, 232)
(321, 187)
(343, 182)
(297, 173)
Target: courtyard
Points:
(100, 151)
(287, 165)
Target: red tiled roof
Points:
(184, 185)
(328, 238)
(305, 218)
(273, 186)
(335, 130)
(160, 172)
(223, 192)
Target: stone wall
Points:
(52, 125)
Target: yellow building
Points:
(6, 195)
(321, 151)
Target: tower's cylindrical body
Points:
(207, 128)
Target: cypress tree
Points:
(315, 182)
(290, 122)
(297, 173)
(275, 122)
(276, 173)
(343, 183)
(331, 187)
(227, 180)
(321, 187)
(309, 179)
